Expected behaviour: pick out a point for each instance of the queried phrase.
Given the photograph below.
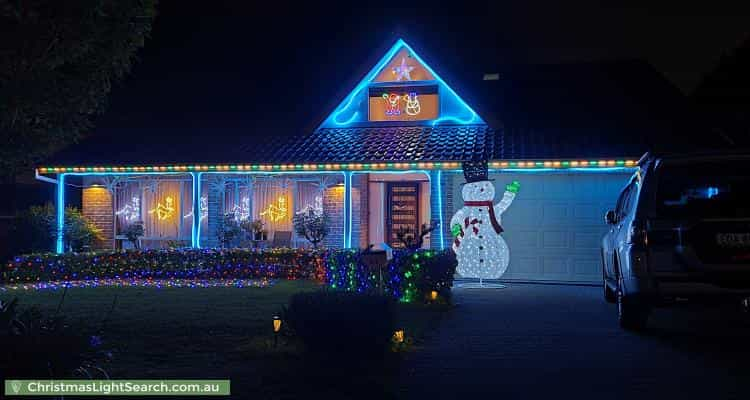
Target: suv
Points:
(680, 231)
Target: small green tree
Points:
(312, 224)
(36, 230)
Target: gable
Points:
(401, 88)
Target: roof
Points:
(591, 109)
(390, 144)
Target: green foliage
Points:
(35, 229)
(59, 60)
(133, 232)
(342, 323)
(311, 224)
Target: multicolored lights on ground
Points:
(390, 166)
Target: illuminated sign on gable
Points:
(401, 87)
(403, 103)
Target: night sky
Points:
(232, 72)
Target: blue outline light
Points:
(195, 236)
(440, 207)
(349, 100)
(59, 248)
(348, 209)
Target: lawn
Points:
(222, 332)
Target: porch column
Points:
(60, 213)
(437, 209)
(347, 209)
(196, 228)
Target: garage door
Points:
(555, 224)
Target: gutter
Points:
(43, 178)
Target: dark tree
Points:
(58, 60)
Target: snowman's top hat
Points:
(475, 171)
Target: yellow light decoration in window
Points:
(164, 211)
(276, 212)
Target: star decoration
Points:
(403, 70)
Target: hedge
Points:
(410, 275)
(167, 264)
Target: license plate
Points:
(733, 240)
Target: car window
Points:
(622, 200)
(706, 189)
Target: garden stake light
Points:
(433, 295)
(398, 336)
(276, 329)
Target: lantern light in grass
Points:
(276, 324)
(433, 295)
(398, 336)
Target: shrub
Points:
(167, 264)
(37, 345)
(411, 275)
(36, 229)
(342, 323)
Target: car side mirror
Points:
(610, 217)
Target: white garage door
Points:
(555, 224)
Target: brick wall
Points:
(333, 205)
(360, 210)
(97, 207)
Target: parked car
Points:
(680, 231)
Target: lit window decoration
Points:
(412, 104)
(403, 71)
(131, 211)
(164, 211)
(392, 104)
(204, 209)
(316, 208)
(480, 249)
(242, 211)
(276, 212)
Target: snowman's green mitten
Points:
(456, 230)
(513, 187)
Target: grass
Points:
(220, 333)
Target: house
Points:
(388, 159)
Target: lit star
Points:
(403, 70)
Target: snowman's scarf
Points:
(493, 219)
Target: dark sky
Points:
(227, 71)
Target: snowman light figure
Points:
(480, 249)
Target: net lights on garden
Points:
(389, 166)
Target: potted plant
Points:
(312, 224)
(133, 232)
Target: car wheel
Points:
(631, 315)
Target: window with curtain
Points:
(273, 204)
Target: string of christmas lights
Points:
(146, 283)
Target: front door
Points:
(402, 212)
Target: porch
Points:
(362, 208)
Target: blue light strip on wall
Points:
(196, 225)
(440, 208)
(60, 213)
(348, 209)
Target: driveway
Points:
(555, 341)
